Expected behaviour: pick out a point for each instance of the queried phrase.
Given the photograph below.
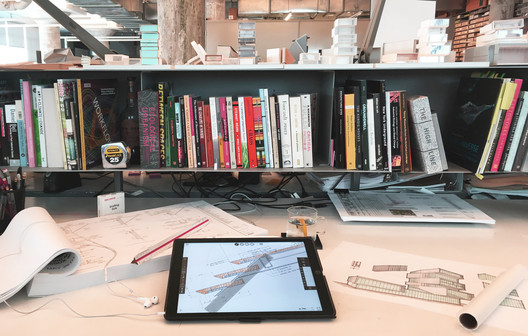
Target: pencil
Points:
(141, 256)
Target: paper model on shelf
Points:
(200, 54)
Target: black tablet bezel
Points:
(171, 302)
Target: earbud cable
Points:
(77, 313)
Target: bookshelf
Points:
(437, 81)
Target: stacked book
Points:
(500, 42)
(149, 45)
(399, 52)
(502, 31)
(246, 42)
(344, 38)
(433, 46)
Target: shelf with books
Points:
(438, 82)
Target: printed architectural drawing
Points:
(434, 284)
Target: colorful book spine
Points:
(405, 134)
(350, 131)
(22, 143)
(371, 138)
(285, 131)
(201, 133)
(214, 132)
(220, 130)
(243, 132)
(225, 133)
(306, 127)
(180, 128)
(231, 131)
(149, 129)
(296, 131)
(264, 108)
(196, 131)
(189, 137)
(41, 127)
(522, 106)
(394, 113)
(171, 135)
(238, 135)
(506, 90)
(10, 148)
(338, 129)
(162, 97)
(503, 136)
(208, 136)
(250, 129)
(64, 87)
(259, 133)
(274, 135)
(61, 130)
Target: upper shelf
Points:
(264, 67)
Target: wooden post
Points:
(501, 9)
(179, 23)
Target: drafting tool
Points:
(164, 244)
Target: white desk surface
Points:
(478, 244)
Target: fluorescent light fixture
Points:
(288, 16)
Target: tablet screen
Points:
(247, 277)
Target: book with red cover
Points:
(208, 137)
(503, 136)
(250, 131)
(238, 138)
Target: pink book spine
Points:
(503, 137)
(225, 132)
(28, 121)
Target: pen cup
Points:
(304, 221)
(12, 201)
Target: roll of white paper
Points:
(478, 309)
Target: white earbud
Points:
(148, 302)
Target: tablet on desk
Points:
(247, 279)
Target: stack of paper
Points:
(149, 50)
(433, 46)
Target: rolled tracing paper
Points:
(481, 307)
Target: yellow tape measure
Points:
(115, 155)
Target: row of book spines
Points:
(503, 150)
(32, 137)
(225, 133)
(372, 130)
